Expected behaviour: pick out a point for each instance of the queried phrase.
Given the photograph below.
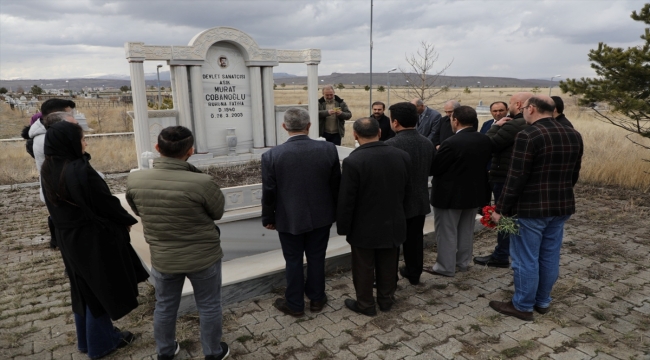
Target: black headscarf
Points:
(64, 171)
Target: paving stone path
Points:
(601, 307)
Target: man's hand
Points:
(331, 112)
(495, 217)
(128, 228)
(437, 147)
(270, 226)
(503, 121)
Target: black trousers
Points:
(414, 247)
(333, 138)
(313, 246)
(371, 264)
(50, 224)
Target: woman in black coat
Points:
(92, 233)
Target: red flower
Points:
(486, 220)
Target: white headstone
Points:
(227, 98)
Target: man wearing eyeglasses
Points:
(545, 166)
(502, 134)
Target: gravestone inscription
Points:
(227, 98)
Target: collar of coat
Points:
(370, 145)
(336, 99)
(168, 163)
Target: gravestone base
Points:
(260, 151)
(222, 160)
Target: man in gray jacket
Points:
(404, 117)
(428, 121)
(300, 185)
(178, 205)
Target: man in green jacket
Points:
(178, 205)
(332, 113)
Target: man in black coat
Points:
(374, 189)
(443, 128)
(457, 191)
(558, 113)
(387, 132)
(502, 134)
(404, 119)
(300, 184)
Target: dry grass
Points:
(609, 158)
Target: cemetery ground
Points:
(601, 307)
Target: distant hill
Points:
(397, 79)
(348, 79)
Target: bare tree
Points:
(98, 112)
(420, 76)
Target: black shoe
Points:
(413, 281)
(170, 357)
(281, 304)
(317, 306)
(126, 338)
(225, 352)
(352, 305)
(491, 262)
(542, 310)
(385, 308)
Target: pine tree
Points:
(623, 83)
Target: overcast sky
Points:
(46, 39)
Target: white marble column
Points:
(141, 118)
(196, 82)
(312, 98)
(182, 97)
(269, 106)
(257, 110)
(172, 79)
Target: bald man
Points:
(443, 128)
(546, 162)
(502, 134)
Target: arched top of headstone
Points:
(197, 50)
(249, 48)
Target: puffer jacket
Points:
(177, 205)
(322, 114)
(503, 140)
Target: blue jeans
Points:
(96, 336)
(207, 295)
(535, 253)
(313, 246)
(502, 250)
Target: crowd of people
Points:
(527, 158)
(528, 162)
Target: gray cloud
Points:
(64, 38)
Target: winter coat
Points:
(178, 206)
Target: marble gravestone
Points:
(222, 89)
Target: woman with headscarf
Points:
(92, 233)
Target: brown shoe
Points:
(317, 306)
(507, 308)
(281, 304)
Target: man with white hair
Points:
(428, 120)
(332, 113)
(300, 185)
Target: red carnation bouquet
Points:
(506, 224)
